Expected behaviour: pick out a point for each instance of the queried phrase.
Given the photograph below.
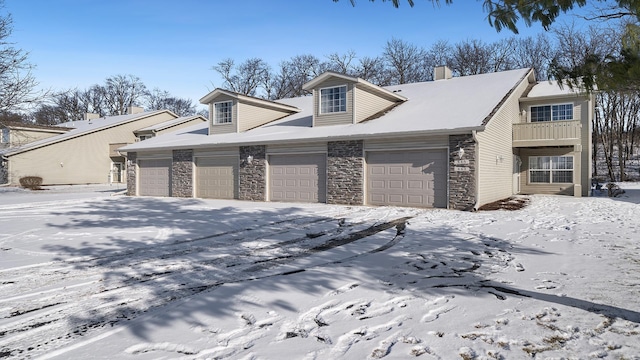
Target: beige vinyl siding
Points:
(297, 148)
(495, 154)
(179, 127)
(423, 142)
(224, 151)
(19, 137)
(577, 107)
(80, 160)
(223, 128)
(528, 188)
(368, 103)
(334, 118)
(253, 115)
(581, 112)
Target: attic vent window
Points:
(222, 112)
(333, 100)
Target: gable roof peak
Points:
(332, 74)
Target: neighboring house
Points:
(86, 152)
(450, 143)
(16, 134)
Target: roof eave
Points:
(435, 132)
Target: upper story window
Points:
(550, 169)
(333, 99)
(552, 112)
(5, 136)
(222, 112)
(145, 137)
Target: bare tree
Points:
(373, 70)
(342, 63)
(121, 92)
(536, 53)
(405, 62)
(161, 100)
(472, 57)
(17, 83)
(246, 77)
(292, 74)
(69, 106)
(46, 114)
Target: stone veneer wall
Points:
(253, 177)
(182, 173)
(462, 172)
(131, 173)
(345, 172)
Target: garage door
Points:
(297, 178)
(216, 177)
(407, 178)
(154, 177)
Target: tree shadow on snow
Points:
(151, 253)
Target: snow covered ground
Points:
(84, 274)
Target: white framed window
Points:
(550, 169)
(5, 136)
(551, 112)
(223, 112)
(333, 99)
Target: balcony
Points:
(548, 133)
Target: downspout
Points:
(474, 134)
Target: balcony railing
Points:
(547, 133)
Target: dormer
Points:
(231, 112)
(340, 99)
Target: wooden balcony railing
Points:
(547, 133)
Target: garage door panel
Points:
(407, 178)
(154, 177)
(216, 177)
(297, 177)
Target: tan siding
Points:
(252, 115)
(577, 106)
(333, 119)
(226, 151)
(19, 137)
(407, 143)
(495, 155)
(583, 112)
(179, 127)
(84, 159)
(297, 148)
(368, 104)
(223, 128)
(528, 188)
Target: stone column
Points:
(131, 173)
(345, 172)
(253, 174)
(462, 172)
(182, 173)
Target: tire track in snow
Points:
(52, 319)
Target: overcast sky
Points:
(172, 44)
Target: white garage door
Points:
(154, 177)
(216, 177)
(407, 178)
(298, 178)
